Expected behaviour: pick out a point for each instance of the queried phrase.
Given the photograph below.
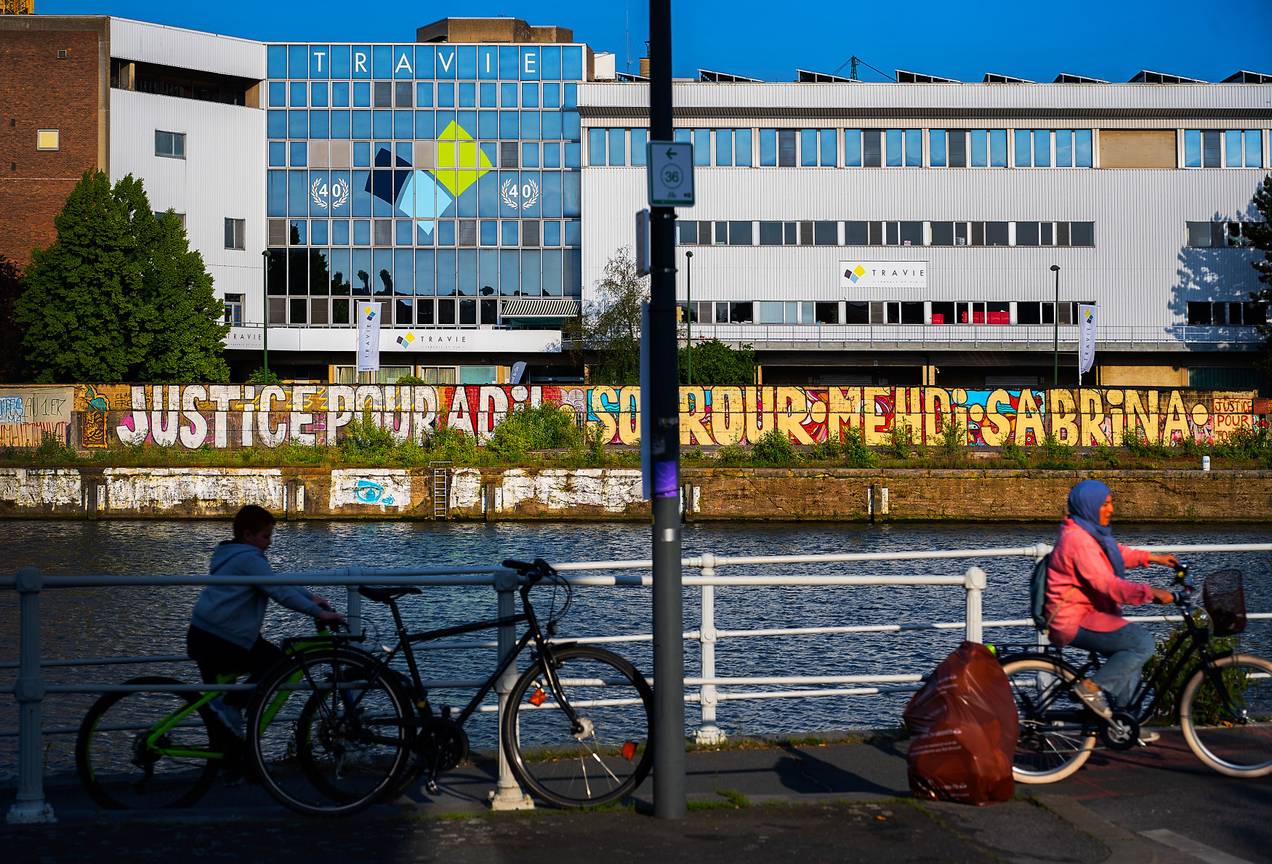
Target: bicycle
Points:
(1224, 706)
(576, 726)
(146, 748)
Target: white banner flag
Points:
(1086, 340)
(368, 336)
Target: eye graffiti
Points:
(334, 195)
(519, 196)
(370, 492)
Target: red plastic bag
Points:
(964, 729)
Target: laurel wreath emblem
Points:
(522, 196)
(337, 195)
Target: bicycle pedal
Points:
(431, 787)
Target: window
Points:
(996, 233)
(770, 233)
(1043, 148)
(1223, 148)
(856, 312)
(1082, 233)
(739, 233)
(47, 139)
(170, 144)
(826, 312)
(942, 313)
(856, 234)
(234, 233)
(786, 148)
(234, 310)
(826, 233)
(878, 148)
(741, 313)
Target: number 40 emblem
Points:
(519, 196)
(333, 196)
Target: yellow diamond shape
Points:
(460, 162)
(860, 271)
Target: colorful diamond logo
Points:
(405, 341)
(460, 162)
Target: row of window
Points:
(904, 148)
(400, 312)
(883, 233)
(441, 273)
(422, 154)
(403, 232)
(405, 94)
(388, 193)
(406, 124)
(1207, 235)
(504, 62)
(1220, 314)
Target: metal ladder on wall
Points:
(441, 489)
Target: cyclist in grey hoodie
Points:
(225, 630)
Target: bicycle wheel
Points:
(601, 759)
(1054, 742)
(332, 731)
(120, 766)
(1226, 715)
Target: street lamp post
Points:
(1055, 331)
(265, 312)
(689, 316)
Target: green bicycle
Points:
(149, 747)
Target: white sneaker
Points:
(231, 718)
(1093, 699)
(1146, 737)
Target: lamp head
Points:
(1055, 268)
(689, 253)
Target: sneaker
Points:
(1094, 700)
(1146, 738)
(231, 718)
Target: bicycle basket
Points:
(1224, 599)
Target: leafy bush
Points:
(53, 451)
(1104, 455)
(263, 376)
(732, 456)
(1137, 444)
(405, 380)
(829, 450)
(451, 445)
(1053, 454)
(547, 427)
(900, 439)
(773, 449)
(1207, 708)
(856, 453)
(366, 441)
(953, 437)
(1013, 454)
(1251, 444)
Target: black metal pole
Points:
(265, 312)
(689, 317)
(664, 426)
(1055, 331)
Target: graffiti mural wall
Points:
(232, 416)
(28, 414)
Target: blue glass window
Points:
(403, 61)
(276, 124)
(446, 95)
(297, 124)
(1233, 151)
(444, 119)
(618, 147)
(382, 61)
(852, 148)
(574, 234)
(382, 124)
(530, 59)
(530, 264)
(570, 125)
(702, 146)
(980, 148)
(508, 60)
(552, 193)
(572, 273)
(1253, 148)
(550, 63)
(936, 148)
(361, 198)
(551, 95)
(1042, 148)
(360, 67)
(487, 62)
(297, 193)
(998, 147)
(572, 156)
(489, 94)
(467, 273)
(339, 124)
(529, 155)
(529, 95)
(552, 125)
(724, 146)
(489, 232)
(403, 124)
(320, 191)
(361, 94)
(467, 59)
(640, 145)
(572, 194)
(382, 261)
(339, 61)
(425, 60)
(318, 94)
(827, 154)
(509, 272)
(340, 232)
(1064, 148)
(361, 271)
(808, 147)
(298, 234)
(404, 150)
(1023, 157)
(508, 126)
(297, 61)
(424, 124)
(551, 230)
(1192, 148)
(361, 232)
(423, 95)
(341, 177)
(361, 124)
(467, 94)
(446, 232)
(741, 145)
(319, 124)
(425, 274)
(319, 61)
(318, 232)
(487, 124)
(276, 61)
(768, 147)
(362, 153)
(298, 89)
(277, 94)
(276, 194)
(530, 124)
(508, 233)
(572, 63)
(277, 154)
(445, 270)
(914, 148)
(569, 95)
(403, 232)
(488, 272)
(508, 95)
(552, 155)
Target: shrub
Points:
(451, 445)
(855, 452)
(900, 439)
(732, 456)
(263, 376)
(1246, 444)
(1053, 454)
(953, 437)
(1013, 454)
(1137, 444)
(826, 451)
(365, 441)
(546, 427)
(406, 380)
(53, 451)
(1168, 706)
(1105, 455)
(773, 449)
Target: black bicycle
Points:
(1224, 706)
(576, 727)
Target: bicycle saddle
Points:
(385, 593)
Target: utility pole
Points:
(265, 312)
(689, 317)
(664, 449)
(1055, 331)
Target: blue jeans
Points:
(1127, 649)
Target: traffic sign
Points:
(670, 173)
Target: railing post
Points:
(353, 605)
(29, 806)
(508, 794)
(708, 732)
(974, 582)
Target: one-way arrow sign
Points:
(670, 173)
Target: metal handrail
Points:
(30, 687)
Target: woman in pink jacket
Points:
(1086, 586)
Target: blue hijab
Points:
(1085, 501)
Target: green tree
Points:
(717, 364)
(1259, 235)
(120, 296)
(609, 331)
(11, 368)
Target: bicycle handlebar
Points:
(534, 571)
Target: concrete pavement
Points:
(806, 802)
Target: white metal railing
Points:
(711, 687)
(954, 335)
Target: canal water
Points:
(152, 621)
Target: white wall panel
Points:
(186, 49)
